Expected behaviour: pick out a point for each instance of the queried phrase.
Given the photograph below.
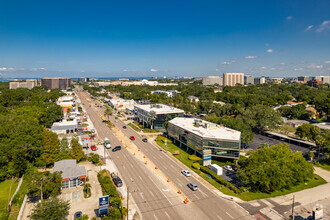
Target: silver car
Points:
(192, 186)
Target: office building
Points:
(303, 79)
(56, 83)
(212, 80)
(72, 175)
(248, 80)
(162, 113)
(83, 79)
(324, 79)
(122, 104)
(231, 79)
(260, 80)
(198, 135)
(29, 84)
(169, 93)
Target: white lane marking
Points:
(180, 184)
(131, 165)
(152, 194)
(202, 192)
(219, 217)
(165, 168)
(160, 156)
(166, 190)
(172, 166)
(140, 177)
(229, 215)
(141, 194)
(160, 190)
(167, 214)
(196, 196)
(155, 217)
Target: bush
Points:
(160, 138)
(87, 190)
(196, 166)
(220, 180)
(194, 158)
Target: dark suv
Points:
(117, 181)
(116, 148)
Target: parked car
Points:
(116, 180)
(116, 148)
(116, 117)
(77, 215)
(186, 173)
(144, 139)
(93, 147)
(132, 138)
(234, 167)
(85, 147)
(124, 127)
(228, 167)
(192, 186)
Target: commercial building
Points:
(231, 79)
(83, 79)
(169, 93)
(303, 79)
(161, 112)
(29, 84)
(324, 79)
(315, 83)
(198, 135)
(72, 175)
(260, 80)
(56, 83)
(122, 104)
(248, 80)
(212, 80)
(65, 127)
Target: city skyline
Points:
(146, 38)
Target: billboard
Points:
(104, 201)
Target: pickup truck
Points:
(107, 143)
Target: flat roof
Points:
(206, 129)
(159, 108)
(69, 169)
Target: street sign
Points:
(104, 201)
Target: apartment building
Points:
(56, 83)
(231, 79)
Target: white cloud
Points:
(270, 51)
(233, 61)
(263, 67)
(250, 57)
(39, 68)
(273, 68)
(309, 27)
(314, 66)
(3, 68)
(226, 63)
(298, 69)
(217, 70)
(125, 70)
(327, 61)
(153, 70)
(323, 26)
(10, 68)
(282, 63)
(289, 18)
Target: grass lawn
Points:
(247, 196)
(134, 127)
(4, 191)
(324, 164)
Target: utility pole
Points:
(127, 200)
(41, 196)
(292, 208)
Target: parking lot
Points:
(260, 139)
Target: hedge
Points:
(196, 166)
(220, 180)
(194, 158)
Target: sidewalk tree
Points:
(108, 112)
(76, 150)
(274, 168)
(52, 208)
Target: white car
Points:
(227, 167)
(186, 172)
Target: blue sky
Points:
(156, 38)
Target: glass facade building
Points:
(197, 138)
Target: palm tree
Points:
(152, 116)
(108, 112)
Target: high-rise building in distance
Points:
(248, 80)
(260, 80)
(83, 79)
(29, 83)
(303, 78)
(56, 83)
(212, 80)
(231, 79)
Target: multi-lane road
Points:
(205, 204)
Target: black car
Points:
(145, 140)
(117, 181)
(124, 127)
(234, 167)
(116, 148)
(77, 215)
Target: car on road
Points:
(117, 181)
(93, 147)
(186, 173)
(228, 167)
(116, 117)
(144, 139)
(132, 138)
(116, 148)
(77, 215)
(124, 127)
(234, 167)
(192, 186)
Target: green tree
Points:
(64, 151)
(51, 209)
(51, 183)
(108, 112)
(274, 168)
(308, 131)
(152, 117)
(51, 147)
(76, 150)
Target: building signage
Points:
(73, 178)
(207, 157)
(103, 201)
(318, 214)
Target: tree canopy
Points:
(51, 209)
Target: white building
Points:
(169, 93)
(212, 80)
(65, 127)
(66, 101)
(122, 104)
(193, 98)
(162, 112)
(260, 80)
(231, 79)
(248, 80)
(200, 135)
(324, 79)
